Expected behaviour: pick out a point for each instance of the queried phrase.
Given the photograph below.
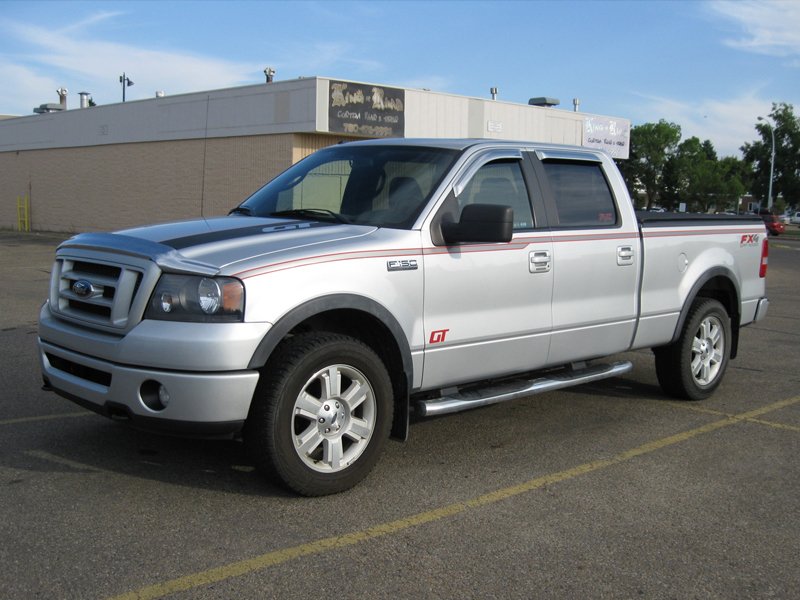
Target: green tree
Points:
(651, 146)
(786, 178)
(692, 175)
(736, 177)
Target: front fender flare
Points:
(345, 302)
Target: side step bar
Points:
(501, 392)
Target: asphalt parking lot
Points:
(608, 490)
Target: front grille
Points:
(78, 370)
(97, 292)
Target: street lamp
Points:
(126, 82)
(771, 162)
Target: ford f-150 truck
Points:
(375, 280)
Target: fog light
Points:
(155, 395)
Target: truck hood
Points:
(207, 246)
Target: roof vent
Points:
(544, 101)
(51, 108)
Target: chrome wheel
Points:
(333, 418)
(693, 366)
(708, 350)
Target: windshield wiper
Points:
(242, 210)
(311, 213)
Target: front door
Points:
(487, 307)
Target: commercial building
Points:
(199, 154)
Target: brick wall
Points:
(116, 186)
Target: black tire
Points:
(693, 367)
(320, 438)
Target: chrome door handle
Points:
(539, 261)
(625, 255)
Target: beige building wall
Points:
(198, 155)
(111, 187)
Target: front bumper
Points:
(207, 404)
(203, 368)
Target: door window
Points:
(500, 182)
(581, 194)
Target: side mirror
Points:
(481, 223)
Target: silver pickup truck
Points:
(375, 280)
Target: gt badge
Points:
(438, 336)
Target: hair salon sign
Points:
(366, 110)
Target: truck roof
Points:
(464, 143)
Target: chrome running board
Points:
(502, 392)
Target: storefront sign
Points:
(366, 110)
(611, 135)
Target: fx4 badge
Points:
(402, 265)
(749, 239)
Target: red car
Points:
(774, 224)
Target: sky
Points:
(710, 66)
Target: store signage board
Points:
(366, 110)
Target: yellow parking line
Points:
(60, 460)
(700, 409)
(277, 557)
(719, 413)
(43, 418)
(775, 425)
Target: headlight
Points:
(192, 298)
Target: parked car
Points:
(773, 224)
(794, 219)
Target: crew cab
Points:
(377, 279)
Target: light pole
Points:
(771, 162)
(126, 82)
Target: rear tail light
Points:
(762, 271)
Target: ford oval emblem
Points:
(82, 288)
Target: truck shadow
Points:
(94, 445)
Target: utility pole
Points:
(126, 82)
(771, 162)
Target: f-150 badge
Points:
(402, 265)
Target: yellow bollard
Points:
(23, 213)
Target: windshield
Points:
(384, 186)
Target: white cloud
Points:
(727, 123)
(89, 21)
(75, 57)
(85, 63)
(321, 58)
(770, 27)
(23, 89)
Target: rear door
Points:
(596, 258)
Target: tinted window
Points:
(581, 194)
(500, 182)
(385, 186)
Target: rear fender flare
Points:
(695, 292)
